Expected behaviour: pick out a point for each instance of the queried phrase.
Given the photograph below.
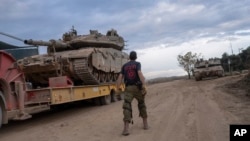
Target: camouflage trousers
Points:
(130, 93)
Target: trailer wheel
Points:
(105, 100)
(121, 96)
(97, 101)
(113, 96)
(1, 116)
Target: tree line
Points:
(236, 62)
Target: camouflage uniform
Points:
(130, 93)
(135, 88)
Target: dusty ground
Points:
(182, 110)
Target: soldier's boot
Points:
(125, 130)
(145, 124)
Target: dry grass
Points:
(165, 79)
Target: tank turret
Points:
(85, 59)
(95, 39)
(70, 40)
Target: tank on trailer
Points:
(89, 59)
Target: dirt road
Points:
(182, 110)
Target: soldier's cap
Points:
(132, 55)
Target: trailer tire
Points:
(97, 101)
(113, 96)
(105, 100)
(121, 96)
(1, 116)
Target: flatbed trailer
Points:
(18, 100)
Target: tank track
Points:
(83, 71)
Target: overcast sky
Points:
(159, 30)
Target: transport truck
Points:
(18, 100)
(75, 68)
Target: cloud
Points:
(13, 9)
(165, 73)
(159, 30)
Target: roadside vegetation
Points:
(233, 64)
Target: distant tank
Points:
(86, 59)
(208, 68)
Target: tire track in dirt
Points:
(211, 123)
(181, 110)
(188, 112)
(175, 120)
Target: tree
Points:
(236, 62)
(187, 62)
(245, 58)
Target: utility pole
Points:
(240, 50)
(231, 46)
(229, 61)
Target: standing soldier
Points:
(135, 88)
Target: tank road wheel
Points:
(197, 76)
(96, 75)
(105, 77)
(102, 77)
(116, 76)
(90, 65)
(90, 68)
(108, 77)
(105, 100)
(220, 73)
(99, 77)
(112, 77)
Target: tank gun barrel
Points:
(54, 43)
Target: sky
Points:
(158, 30)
